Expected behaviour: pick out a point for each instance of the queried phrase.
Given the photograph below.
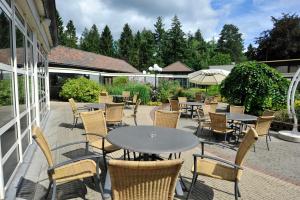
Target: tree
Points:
(231, 42)
(251, 52)
(255, 86)
(106, 42)
(70, 35)
(159, 36)
(175, 43)
(90, 40)
(135, 53)
(60, 29)
(126, 43)
(220, 59)
(147, 50)
(282, 41)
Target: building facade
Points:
(27, 32)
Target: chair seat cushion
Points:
(215, 170)
(108, 147)
(228, 130)
(74, 171)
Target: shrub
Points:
(81, 89)
(5, 92)
(256, 86)
(167, 89)
(213, 90)
(191, 92)
(119, 81)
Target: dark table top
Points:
(191, 103)
(100, 106)
(240, 117)
(152, 140)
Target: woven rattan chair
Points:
(70, 170)
(103, 93)
(143, 180)
(198, 97)
(95, 130)
(181, 101)
(222, 169)
(106, 99)
(174, 105)
(203, 118)
(219, 124)
(75, 111)
(268, 113)
(125, 96)
(213, 106)
(166, 119)
(237, 109)
(262, 127)
(133, 101)
(114, 113)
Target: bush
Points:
(5, 92)
(81, 89)
(119, 81)
(167, 89)
(191, 92)
(256, 86)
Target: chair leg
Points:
(182, 182)
(236, 195)
(98, 186)
(54, 191)
(48, 189)
(238, 189)
(104, 161)
(135, 122)
(254, 147)
(195, 175)
(124, 152)
(267, 142)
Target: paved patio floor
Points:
(266, 176)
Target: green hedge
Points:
(81, 89)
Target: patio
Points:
(267, 175)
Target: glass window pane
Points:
(24, 123)
(6, 97)
(30, 55)
(8, 2)
(29, 33)
(19, 16)
(22, 92)
(5, 33)
(10, 165)
(20, 45)
(31, 90)
(32, 112)
(8, 138)
(25, 142)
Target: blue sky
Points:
(250, 16)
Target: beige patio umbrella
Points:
(208, 76)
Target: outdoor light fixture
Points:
(156, 69)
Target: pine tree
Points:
(90, 40)
(106, 42)
(251, 52)
(159, 36)
(147, 50)
(135, 54)
(126, 43)
(175, 43)
(60, 29)
(70, 35)
(231, 42)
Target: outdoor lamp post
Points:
(155, 69)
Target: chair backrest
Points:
(126, 94)
(203, 112)
(218, 121)
(174, 105)
(94, 122)
(182, 99)
(166, 119)
(263, 124)
(134, 98)
(268, 113)
(237, 109)
(198, 97)
(103, 93)
(106, 99)
(143, 180)
(73, 106)
(114, 112)
(249, 139)
(38, 136)
(213, 106)
(137, 103)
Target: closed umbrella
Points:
(208, 76)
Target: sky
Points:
(250, 16)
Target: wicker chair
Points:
(138, 102)
(268, 113)
(95, 130)
(143, 180)
(106, 99)
(222, 169)
(174, 105)
(213, 106)
(181, 101)
(114, 113)
(237, 109)
(70, 170)
(133, 101)
(167, 119)
(103, 93)
(262, 127)
(203, 118)
(75, 111)
(125, 95)
(198, 97)
(219, 124)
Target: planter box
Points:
(279, 126)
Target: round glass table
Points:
(192, 105)
(95, 106)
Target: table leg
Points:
(107, 186)
(178, 188)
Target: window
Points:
(25, 142)
(6, 97)
(8, 2)
(32, 114)
(19, 17)
(8, 139)
(5, 33)
(22, 92)
(10, 165)
(30, 55)
(20, 51)
(24, 123)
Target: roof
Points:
(225, 67)
(69, 57)
(177, 67)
